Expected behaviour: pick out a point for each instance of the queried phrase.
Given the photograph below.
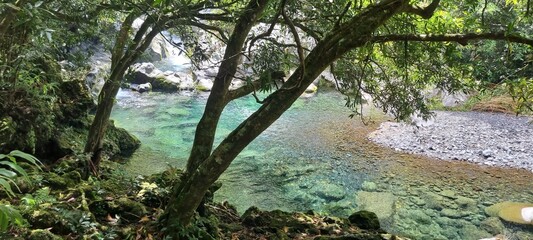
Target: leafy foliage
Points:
(9, 169)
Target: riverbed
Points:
(315, 157)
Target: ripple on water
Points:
(314, 157)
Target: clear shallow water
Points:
(315, 157)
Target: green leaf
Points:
(4, 220)
(15, 167)
(12, 6)
(27, 157)
(7, 173)
(8, 215)
(7, 187)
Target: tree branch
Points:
(346, 8)
(426, 12)
(462, 39)
(271, 28)
(206, 27)
(299, 49)
(243, 91)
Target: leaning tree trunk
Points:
(120, 61)
(205, 171)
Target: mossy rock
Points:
(118, 141)
(160, 83)
(127, 209)
(58, 182)
(49, 219)
(272, 221)
(43, 234)
(365, 220)
(514, 212)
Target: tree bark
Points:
(209, 166)
(178, 215)
(120, 61)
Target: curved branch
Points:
(462, 39)
(294, 32)
(271, 28)
(426, 12)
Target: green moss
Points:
(365, 220)
(119, 141)
(43, 234)
(201, 88)
(58, 182)
(160, 83)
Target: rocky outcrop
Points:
(63, 129)
(146, 73)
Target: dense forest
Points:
(63, 63)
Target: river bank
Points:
(483, 138)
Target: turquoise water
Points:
(290, 154)
(315, 157)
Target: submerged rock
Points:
(381, 203)
(514, 212)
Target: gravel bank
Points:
(483, 138)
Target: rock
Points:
(43, 234)
(453, 213)
(51, 219)
(449, 194)
(486, 153)
(365, 220)
(312, 88)
(381, 203)
(471, 231)
(435, 201)
(158, 49)
(369, 186)
(145, 87)
(466, 204)
(142, 73)
(418, 201)
(127, 209)
(329, 192)
(514, 212)
(493, 225)
(118, 141)
(277, 219)
(58, 182)
(204, 85)
(497, 237)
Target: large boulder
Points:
(143, 73)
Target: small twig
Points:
(300, 50)
(346, 8)
(483, 13)
(271, 28)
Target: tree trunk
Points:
(120, 62)
(95, 140)
(178, 215)
(350, 35)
